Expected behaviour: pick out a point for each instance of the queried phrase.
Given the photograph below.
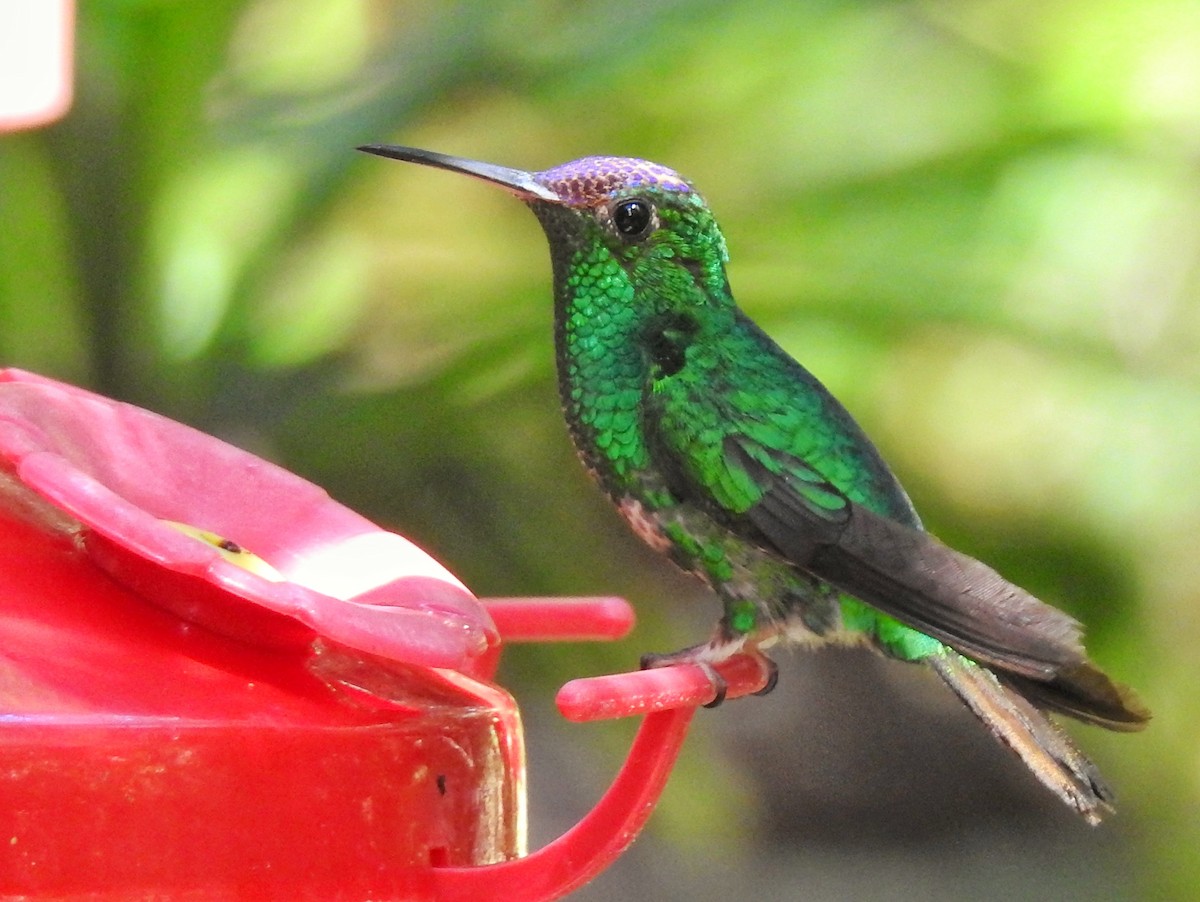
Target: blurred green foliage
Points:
(977, 220)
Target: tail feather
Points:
(1085, 693)
(1054, 759)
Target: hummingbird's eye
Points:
(633, 218)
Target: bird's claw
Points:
(772, 675)
(651, 660)
(720, 686)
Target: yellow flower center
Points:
(230, 550)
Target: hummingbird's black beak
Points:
(520, 182)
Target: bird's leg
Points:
(720, 647)
(704, 656)
(693, 655)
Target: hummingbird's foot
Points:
(700, 656)
(690, 656)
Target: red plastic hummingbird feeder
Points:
(216, 682)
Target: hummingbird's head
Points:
(646, 217)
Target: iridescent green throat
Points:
(623, 314)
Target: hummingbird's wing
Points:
(900, 570)
(908, 574)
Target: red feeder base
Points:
(141, 757)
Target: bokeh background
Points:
(977, 220)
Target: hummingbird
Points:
(729, 457)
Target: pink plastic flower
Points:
(123, 479)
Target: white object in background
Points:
(36, 49)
